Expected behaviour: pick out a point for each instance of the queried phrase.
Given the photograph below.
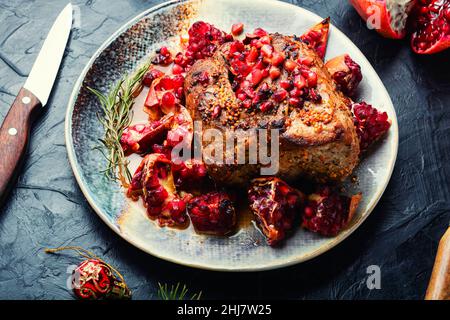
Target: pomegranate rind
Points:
(158, 192)
(371, 124)
(141, 141)
(354, 203)
(363, 7)
(320, 46)
(274, 218)
(175, 129)
(346, 73)
(441, 45)
(328, 213)
(212, 213)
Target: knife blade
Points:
(45, 68)
(15, 130)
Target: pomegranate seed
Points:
(304, 72)
(244, 84)
(237, 29)
(299, 82)
(307, 61)
(258, 32)
(242, 96)
(178, 81)
(295, 92)
(259, 65)
(164, 51)
(252, 55)
(267, 50)
(267, 60)
(255, 77)
(277, 58)
(166, 83)
(239, 68)
(163, 57)
(308, 212)
(150, 76)
(290, 65)
(179, 93)
(312, 79)
(265, 72)
(314, 95)
(168, 100)
(265, 40)
(179, 59)
(286, 84)
(293, 101)
(236, 47)
(266, 106)
(274, 73)
(177, 69)
(280, 95)
(447, 13)
(247, 103)
(315, 35)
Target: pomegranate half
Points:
(387, 17)
(432, 26)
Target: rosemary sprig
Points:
(115, 117)
(176, 292)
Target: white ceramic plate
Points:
(246, 250)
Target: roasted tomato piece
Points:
(371, 124)
(346, 73)
(139, 138)
(326, 212)
(275, 205)
(153, 181)
(212, 213)
(317, 37)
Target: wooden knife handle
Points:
(14, 134)
(439, 286)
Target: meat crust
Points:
(318, 141)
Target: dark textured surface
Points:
(47, 209)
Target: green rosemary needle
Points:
(115, 116)
(176, 292)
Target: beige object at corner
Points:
(439, 286)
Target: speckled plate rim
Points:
(103, 216)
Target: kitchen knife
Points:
(439, 286)
(15, 130)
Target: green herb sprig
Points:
(176, 292)
(116, 115)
